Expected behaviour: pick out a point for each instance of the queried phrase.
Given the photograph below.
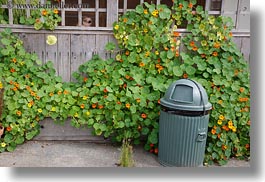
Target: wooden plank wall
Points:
(70, 51)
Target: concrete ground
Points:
(79, 154)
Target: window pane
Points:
(102, 19)
(71, 18)
(103, 4)
(216, 5)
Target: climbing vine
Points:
(119, 98)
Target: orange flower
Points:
(32, 93)
(12, 70)
(185, 75)
(141, 64)
(190, 5)
(160, 68)
(16, 85)
(195, 48)
(192, 43)
(124, 85)
(11, 82)
(177, 54)
(180, 6)
(249, 122)
(230, 34)
(118, 102)
(14, 60)
(203, 55)
(44, 12)
(82, 106)
(105, 90)
(8, 128)
(125, 20)
(166, 48)
(138, 100)
(127, 53)
(157, 65)
(100, 106)
(247, 146)
(85, 79)
(127, 77)
(37, 20)
(59, 92)
(15, 88)
(18, 113)
(225, 128)
(51, 94)
(215, 53)
(128, 105)
(143, 115)
(176, 34)
(158, 60)
(241, 89)
(224, 147)
(65, 92)
(38, 97)
(216, 45)
(94, 106)
(27, 76)
(213, 131)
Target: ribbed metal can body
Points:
(182, 139)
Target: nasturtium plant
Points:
(120, 97)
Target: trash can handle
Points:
(201, 137)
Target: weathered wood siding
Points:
(70, 51)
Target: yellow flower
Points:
(220, 102)
(51, 40)
(87, 113)
(221, 117)
(230, 123)
(32, 125)
(233, 128)
(156, 53)
(40, 110)
(76, 115)
(116, 27)
(3, 144)
(145, 30)
(219, 122)
(85, 97)
(53, 109)
(145, 11)
(1, 85)
(147, 54)
(155, 13)
(29, 105)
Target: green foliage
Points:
(122, 95)
(32, 92)
(40, 18)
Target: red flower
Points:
(143, 115)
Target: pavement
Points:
(81, 154)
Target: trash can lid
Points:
(185, 94)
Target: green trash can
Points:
(183, 124)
